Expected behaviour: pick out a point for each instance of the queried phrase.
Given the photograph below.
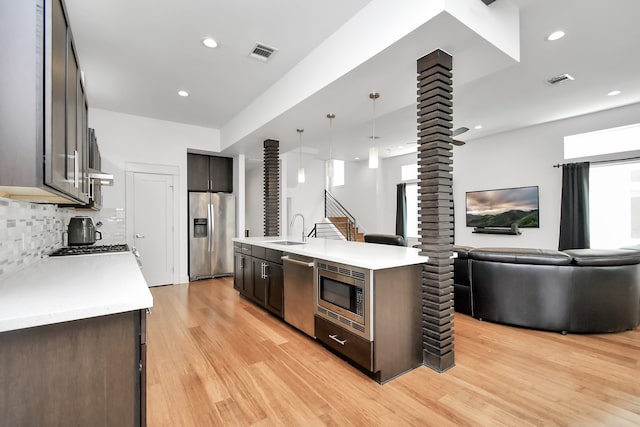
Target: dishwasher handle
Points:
(295, 261)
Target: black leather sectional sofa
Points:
(579, 290)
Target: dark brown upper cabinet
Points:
(43, 104)
(209, 173)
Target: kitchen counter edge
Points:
(61, 289)
(370, 256)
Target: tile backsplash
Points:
(30, 230)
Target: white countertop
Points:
(60, 289)
(371, 256)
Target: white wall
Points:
(524, 157)
(306, 198)
(363, 196)
(512, 159)
(126, 138)
(254, 200)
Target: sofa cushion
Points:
(385, 239)
(604, 256)
(521, 256)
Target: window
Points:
(410, 173)
(614, 205)
(614, 184)
(412, 209)
(615, 140)
(335, 168)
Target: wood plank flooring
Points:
(215, 359)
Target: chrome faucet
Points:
(293, 219)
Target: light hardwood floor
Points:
(215, 359)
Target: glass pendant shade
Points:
(373, 151)
(373, 158)
(300, 168)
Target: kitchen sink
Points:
(287, 243)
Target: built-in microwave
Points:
(343, 297)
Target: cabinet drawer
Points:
(352, 346)
(258, 252)
(246, 248)
(274, 255)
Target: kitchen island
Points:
(73, 342)
(364, 299)
(370, 256)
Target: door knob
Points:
(139, 236)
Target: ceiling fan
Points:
(457, 132)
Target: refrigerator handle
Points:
(213, 226)
(210, 231)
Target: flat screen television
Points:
(503, 207)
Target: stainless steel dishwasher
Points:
(299, 292)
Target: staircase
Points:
(340, 224)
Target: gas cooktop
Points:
(90, 249)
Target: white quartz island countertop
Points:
(65, 288)
(371, 256)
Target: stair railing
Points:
(326, 230)
(333, 208)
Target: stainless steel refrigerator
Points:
(212, 224)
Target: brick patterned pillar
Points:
(271, 188)
(435, 207)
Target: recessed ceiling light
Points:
(555, 35)
(183, 93)
(209, 42)
(357, 158)
(477, 127)
(400, 147)
(614, 93)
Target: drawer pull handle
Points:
(338, 340)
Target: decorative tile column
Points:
(435, 207)
(271, 188)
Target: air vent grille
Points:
(358, 327)
(262, 52)
(562, 78)
(358, 275)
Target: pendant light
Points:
(300, 168)
(373, 151)
(330, 116)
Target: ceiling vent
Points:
(562, 78)
(262, 52)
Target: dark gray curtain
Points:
(401, 211)
(574, 209)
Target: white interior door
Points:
(153, 226)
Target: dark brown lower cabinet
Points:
(274, 298)
(260, 277)
(89, 372)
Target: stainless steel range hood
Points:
(102, 177)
